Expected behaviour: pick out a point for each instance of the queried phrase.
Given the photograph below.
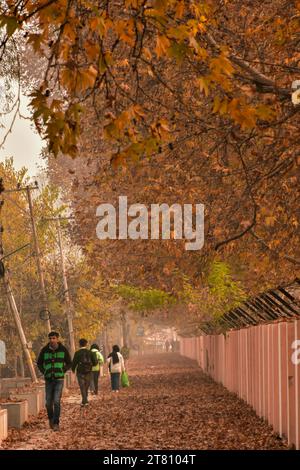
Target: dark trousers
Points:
(94, 381)
(84, 381)
(54, 390)
(115, 380)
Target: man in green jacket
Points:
(53, 361)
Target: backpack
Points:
(85, 364)
(97, 358)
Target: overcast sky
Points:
(23, 144)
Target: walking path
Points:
(171, 404)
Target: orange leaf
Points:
(179, 9)
(162, 45)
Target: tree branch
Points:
(239, 235)
(288, 258)
(257, 77)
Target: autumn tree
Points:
(169, 100)
(91, 297)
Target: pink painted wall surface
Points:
(261, 364)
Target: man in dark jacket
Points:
(53, 361)
(83, 361)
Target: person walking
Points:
(116, 366)
(53, 361)
(82, 364)
(96, 369)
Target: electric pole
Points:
(66, 291)
(69, 310)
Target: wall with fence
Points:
(261, 365)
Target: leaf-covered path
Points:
(170, 405)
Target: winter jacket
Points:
(100, 360)
(118, 367)
(54, 363)
(79, 358)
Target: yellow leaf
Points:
(56, 105)
(248, 118)
(86, 78)
(138, 111)
(178, 51)
(265, 112)
(179, 9)
(217, 104)
(223, 107)
(221, 65)
(201, 52)
(203, 83)
(91, 50)
(150, 145)
(164, 125)
(244, 115)
(161, 5)
(162, 45)
(125, 30)
(100, 24)
(105, 61)
(270, 221)
(147, 53)
(68, 78)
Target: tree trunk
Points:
(124, 329)
(105, 342)
(16, 366)
(21, 362)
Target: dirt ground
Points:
(170, 404)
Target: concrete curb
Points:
(17, 413)
(3, 425)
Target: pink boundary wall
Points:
(261, 364)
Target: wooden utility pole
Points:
(38, 257)
(69, 310)
(14, 310)
(105, 342)
(20, 356)
(66, 291)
